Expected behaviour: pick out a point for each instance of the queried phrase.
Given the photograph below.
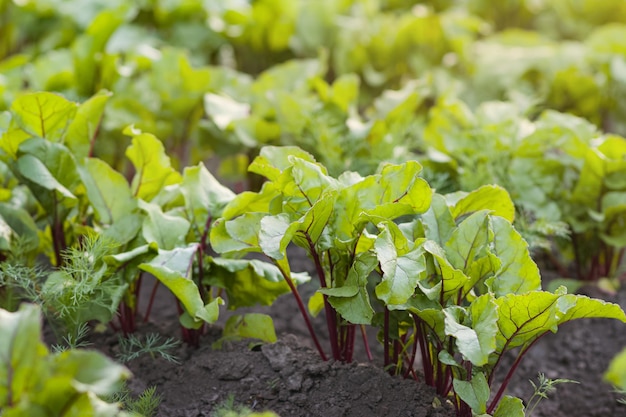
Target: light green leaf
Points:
(573, 307)
(488, 197)
(107, 190)
(401, 272)
(518, 273)
(166, 230)
(351, 299)
(35, 170)
(249, 282)
(223, 109)
(510, 407)
(452, 280)
(91, 371)
(475, 343)
(525, 317)
(616, 374)
(468, 240)
(153, 169)
(474, 393)
(45, 115)
(83, 129)
(401, 191)
(438, 221)
(274, 236)
(273, 160)
(173, 269)
(204, 195)
(248, 326)
(21, 351)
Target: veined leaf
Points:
(510, 407)
(518, 273)
(402, 190)
(45, 115)
(274, 235)
(474, 392)
(401, 271)
(21, 351)
(438, 221)
(107, 190)
(84, 127)
(468, 240)
(476, 343)
(273, 160)
(488, 197)
(525, 317)
(166, 230)
(351, 299)
(204, 196)
(152, 165)
(452, 280)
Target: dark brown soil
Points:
(289, 378)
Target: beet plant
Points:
(447, 278)
(35, 382)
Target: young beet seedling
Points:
(446, 276)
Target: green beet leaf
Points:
(474, 393)
(248, 326)
(438, 221)
(351, 300)
(173, 269)
(518, 273)
(21, 352)
(44, 115)
(510, 407)
(468, 241)
(476, 343)
(153, 170)
(401, 270)
(249, 282)
(488, 197)
(616, 374)
(82, 131)
(204, 196)
(107, 190)
(168, 231)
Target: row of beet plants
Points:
(444, 277)
(102, 230)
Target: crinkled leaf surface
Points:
(401, 271)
